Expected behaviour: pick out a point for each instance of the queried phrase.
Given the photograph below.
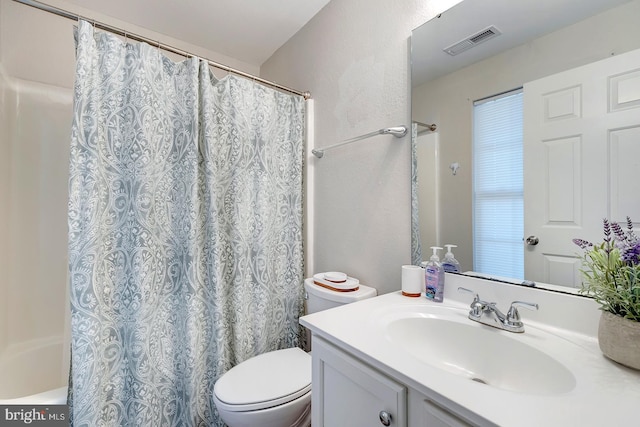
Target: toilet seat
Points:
(264, 381)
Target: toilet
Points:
(274, 389)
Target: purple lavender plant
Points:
(628, 244)
(625, 241)
(611, 270)
(582, 243)
(631, 254)
(607, 231)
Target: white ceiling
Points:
(519, 21)
(247, 30)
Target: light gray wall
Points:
(354, 58)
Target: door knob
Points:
(532, 240)
(385, 418)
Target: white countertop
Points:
(605, 393)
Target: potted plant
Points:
(611, 275)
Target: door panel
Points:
(581, 150)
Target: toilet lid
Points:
(267, 380)
(363, 292)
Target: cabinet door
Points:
(434, 415)
(347, 392)
(426, 411)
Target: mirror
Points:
(536, 39)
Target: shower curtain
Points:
(185, 218)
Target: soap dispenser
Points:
(450, 264)
(434, 277)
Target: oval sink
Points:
(483, 354)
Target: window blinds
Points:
(498, 213)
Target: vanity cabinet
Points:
(426, 412)
(348, 392)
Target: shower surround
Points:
(34, 154)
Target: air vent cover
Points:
(473, 40)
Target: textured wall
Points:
(354, 58)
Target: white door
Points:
(582, 158)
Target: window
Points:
(498, 213)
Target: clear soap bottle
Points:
(450, 264)
(434, 277)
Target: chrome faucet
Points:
(488, 314)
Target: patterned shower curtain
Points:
(185, 218)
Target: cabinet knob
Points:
(385, 418)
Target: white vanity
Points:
(400, 361)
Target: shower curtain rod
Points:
(168, 48)
(398, 132)
(431, 127)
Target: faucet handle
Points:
(513, 317)
(477, 305)
(469, 291)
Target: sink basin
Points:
(480, 353)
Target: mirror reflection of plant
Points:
(611, 270)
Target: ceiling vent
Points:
(473, 40)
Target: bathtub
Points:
(34, 372)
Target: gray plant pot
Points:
(619, 339)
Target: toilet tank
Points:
(320, 298)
